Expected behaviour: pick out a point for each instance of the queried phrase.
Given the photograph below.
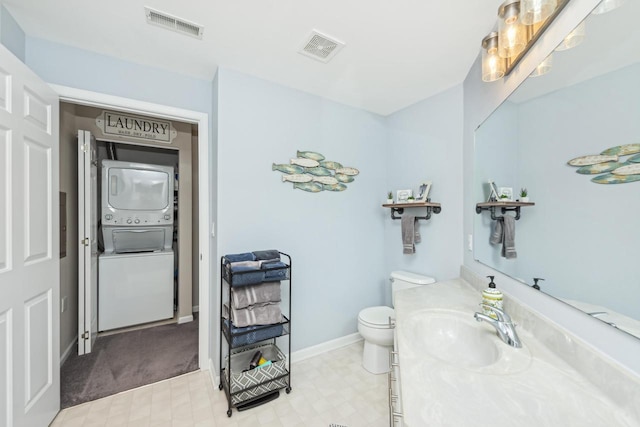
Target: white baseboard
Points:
(185, 319)
(324, 347)
(68, 350)
(195, 308)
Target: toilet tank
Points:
(405, 280)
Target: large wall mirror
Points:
(582, 237)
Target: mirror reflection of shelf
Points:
(399, 208)
(504, 208)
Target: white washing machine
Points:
(134, 288)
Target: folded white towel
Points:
(252, 264)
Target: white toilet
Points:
(375, 327)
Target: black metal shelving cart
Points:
(246, 388)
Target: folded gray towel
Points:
(497, 235)
(245, 296)
(268, 254)
(407, 227)
(509, 237)
(257, 314)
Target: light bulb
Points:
(534, 11)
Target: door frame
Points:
(101, 100)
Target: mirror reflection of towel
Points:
(410, 234)
(509, 237)
(504, 231)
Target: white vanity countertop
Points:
(546, 392)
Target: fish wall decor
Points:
(311, 172)
(610, 165)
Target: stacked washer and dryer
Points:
(136, 270)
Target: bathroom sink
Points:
(455, 338)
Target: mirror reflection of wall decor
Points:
(402, 196)
(612, 166)
(311, 172)
(582, 238)
(423, 192)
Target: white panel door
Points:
(29, 247)
(88, 235)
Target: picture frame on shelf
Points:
(402, 196)
(423, 192)
(493, 192)
(505, 194)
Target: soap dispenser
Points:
(535, 282)
(493, 297)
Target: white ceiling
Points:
(397, 52)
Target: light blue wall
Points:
(68, 66)
(11, 35)
(336, 239)
(480, 99)
(425, 144)
(602, 218)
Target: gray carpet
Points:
(128, 360)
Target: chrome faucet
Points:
(505, 328)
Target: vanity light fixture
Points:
(493, 66)
(520, 24)
(512, 35)
(607, 6)
(574, 38)
(534, 11)
(543, 68)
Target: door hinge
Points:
(86, 335)
(84, 148)
(85, 241)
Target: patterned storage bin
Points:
(258, 381)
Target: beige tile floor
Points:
(329, 389)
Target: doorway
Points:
(74, 116)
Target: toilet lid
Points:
(377, 316)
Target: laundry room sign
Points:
(112, 123)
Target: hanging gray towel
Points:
(497, 235)
(409, 234)
(509, 237)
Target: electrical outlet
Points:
(64, 304)
(470, 242)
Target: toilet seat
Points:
(376, 317)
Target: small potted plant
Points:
(411, 199)
(390, 198)
(524, 195)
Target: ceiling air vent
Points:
(320, 46)
(173, 23)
